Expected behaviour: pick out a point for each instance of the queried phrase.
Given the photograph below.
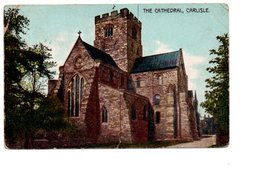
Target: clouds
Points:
(61, 37)
(192, 63)
(161, 47)
(61, 46)
(192, 66)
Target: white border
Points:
(244, 142)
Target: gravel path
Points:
(204, 142)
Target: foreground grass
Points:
(156, 144)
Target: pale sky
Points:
(57, 25)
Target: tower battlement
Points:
(115, 14)
(119, 34)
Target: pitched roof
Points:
(157, 62)
(100, 55)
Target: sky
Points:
(57, 27)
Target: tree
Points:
(217, 94)
(27, 70)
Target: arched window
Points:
(104, 115)
(138, 82)
(144, 112)
(129, 84)
(75, 95)
(69, 103)
(157, 117)
(160, 80)
(133, 112)
(108, 31)
(81, 88)
(72, 113)
(156, 99)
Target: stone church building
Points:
(116, 94)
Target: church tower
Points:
(119, 35)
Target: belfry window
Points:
(104, 114)
(156, 99)
(75, 95)
(109, 31)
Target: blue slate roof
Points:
(156, 62)
(100, 55)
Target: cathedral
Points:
(116, 94)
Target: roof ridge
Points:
(85, 43)
(160, 54)
(106, 57)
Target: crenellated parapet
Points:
(123, 13)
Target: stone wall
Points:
(113, 101)
(107, 86)
(139, 125)
(184, 118)
(112, 77)
(120, 126)
(121, 45)
(149, 87)
(193, 117)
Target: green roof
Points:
(156, 62)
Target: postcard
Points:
(116, 76)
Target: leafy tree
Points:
(217, 93)
(26, 71)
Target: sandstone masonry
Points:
(116, 95)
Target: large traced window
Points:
(75, 95)
(156, 99)
(69, 100)
(104, 115)
(81, 88)
(108, 31)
